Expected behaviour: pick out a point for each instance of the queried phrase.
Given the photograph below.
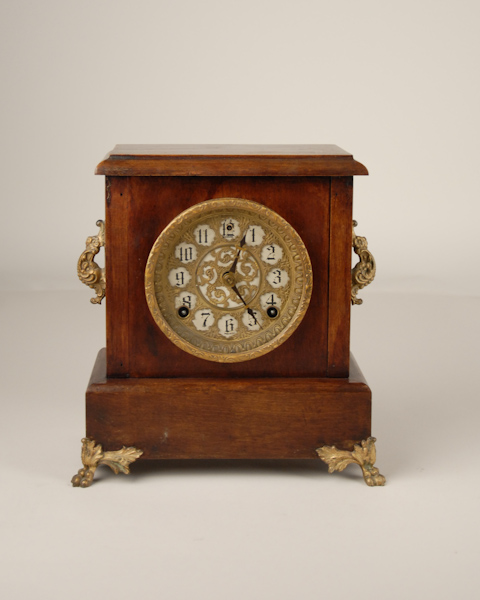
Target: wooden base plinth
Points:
(206, 418)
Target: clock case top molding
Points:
(149, 185)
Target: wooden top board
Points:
(229, 161)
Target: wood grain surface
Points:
(141, 207)
(227, 418)
(233, 160)
(340, 286)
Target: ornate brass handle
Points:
(364, 271)
(88, 271)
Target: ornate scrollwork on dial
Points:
(88, 271)
(364, 271)
(216, 286)
(228, 280)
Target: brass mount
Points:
(364, 271)
(93, 456)
(88, 271)
(363, 455)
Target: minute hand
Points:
(249, 310)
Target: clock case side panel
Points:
(141, 207)
(340, 280)
(117, 256)
(259, 418)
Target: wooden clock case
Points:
(147, 393)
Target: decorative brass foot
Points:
(363, 455)
(93, 456)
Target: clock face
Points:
(228, 280)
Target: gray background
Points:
(397, 85)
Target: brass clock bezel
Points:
(297, 255)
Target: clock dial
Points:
(228, 280)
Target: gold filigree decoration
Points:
(88, 271)
(364, 271)
(213, 287)
(210, 344)
(363, 455)
(93, 456)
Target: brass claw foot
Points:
(363, 455)
(94, 456)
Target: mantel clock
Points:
(228, 285)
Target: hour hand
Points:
(241, 244)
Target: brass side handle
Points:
(88, 271)
(364, 271)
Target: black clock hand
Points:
(252, 314)
(242, 244)
(249, 310)
(229, 277)
(235, 289)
